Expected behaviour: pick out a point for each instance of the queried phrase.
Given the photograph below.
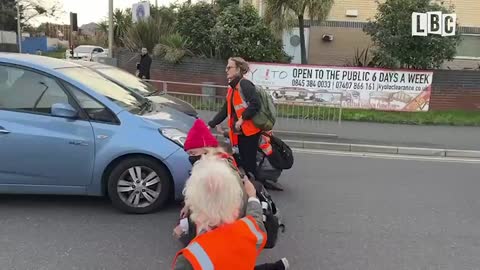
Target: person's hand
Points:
(239, 124)
(143, 77)
(184, 212)
(219, 129)
(177, 232)
(249, 188)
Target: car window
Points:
(25, 90)
(122, 97)
(94, 109)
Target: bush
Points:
(241, 32)
(195, 22)
(397, 48)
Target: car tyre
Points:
(139, 185)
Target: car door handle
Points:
(3, 130)
(79, 143)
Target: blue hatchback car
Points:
(65, 129)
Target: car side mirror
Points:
(64, 110)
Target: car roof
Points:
(35, 61)
(88, 46)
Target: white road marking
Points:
(387, 156)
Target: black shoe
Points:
(273, 186)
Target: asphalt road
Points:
(342, 212)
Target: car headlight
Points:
(174, 135)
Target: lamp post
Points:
(110, 28)
(19, 28)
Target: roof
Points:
(35, 61)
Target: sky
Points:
(93, 10)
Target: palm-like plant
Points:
(146, 33)
(122, 22)
(278, 14)
(173, 48)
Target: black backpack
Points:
(271, 215)
(282, 155)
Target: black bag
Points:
(271, 215)
(282, 155)
(265, 170)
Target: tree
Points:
(202, 18)
(147, 33)
(122, 21)
(8, 15)
(277, 12)
(223, 4)
(395, 45)
(31, 9)
(241, 32)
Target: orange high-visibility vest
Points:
(240, 105)
(232, 246)
(265, 144)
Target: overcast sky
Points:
(94, 10)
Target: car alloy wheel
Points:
(139, 186)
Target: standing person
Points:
(143, 68)
(224, 240)
(242, 104)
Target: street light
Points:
(19, 28)
(110, 28)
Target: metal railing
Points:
(308, 112)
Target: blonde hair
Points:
(213, 193)
(241, 64)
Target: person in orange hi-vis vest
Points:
(224, 241)
(242, 104)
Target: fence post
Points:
(165, 87)
(208, 93)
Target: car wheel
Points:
(139, 185)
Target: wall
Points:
(451, 89)
(455, 89)
(340, 50)
(194, 70)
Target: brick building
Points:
(348, 17)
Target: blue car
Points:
(65, 129)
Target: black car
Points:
(135, 84)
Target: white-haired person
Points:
(200, 142)
(224, 241)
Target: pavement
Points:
(338, 135)
(342, 212)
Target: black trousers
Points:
(247, 148)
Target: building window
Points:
(469, 46)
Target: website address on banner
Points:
(394, 87)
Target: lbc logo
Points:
(434, 23)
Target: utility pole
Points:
(19, 28)
(110, 28)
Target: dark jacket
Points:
(144, 66)
(251, 98)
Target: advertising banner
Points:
(367, 88)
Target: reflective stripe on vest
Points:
(255, 232)
(202, 257)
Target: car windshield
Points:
(122, 97)
(128, 80)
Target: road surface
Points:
(342, 212)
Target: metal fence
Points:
(308, 113)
